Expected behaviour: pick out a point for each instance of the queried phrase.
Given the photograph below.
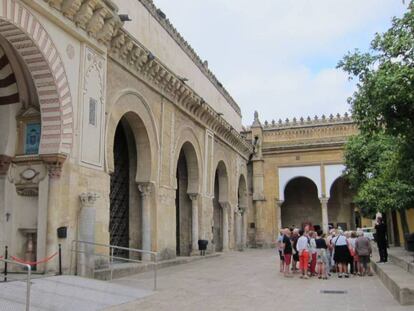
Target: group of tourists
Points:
(319, 255)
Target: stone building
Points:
(296, 176)
(115, 131)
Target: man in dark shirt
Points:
(381, 237)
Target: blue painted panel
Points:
(32, 138)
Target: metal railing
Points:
(29, 272)
(153, 255)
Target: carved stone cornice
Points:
(132, 55)
(100, 19)
(309, 122)
(54, 164)
(5, 162)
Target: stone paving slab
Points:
(67, 293)
(251, 281)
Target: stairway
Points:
(397, 274)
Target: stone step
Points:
(396, 280)
(402, 259)
(121, 270)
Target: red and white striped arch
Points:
(26, 34)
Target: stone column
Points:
(225, 207)
(145, 190)
(243, 229)
(194, 221)
(238, 215)
(54, 164)
(5, 162)
(279, 214)
(325, 222)
(87, 222)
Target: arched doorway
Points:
(187, 201)
(341, 210)
(220, 208)
(120, 190)
(301, 205)
(130, 214)
(20, 136)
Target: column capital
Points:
(224, 205)
(88, 199)
(145, 188)
(279, 202)
(54, 164)
(4, 164)
(242, 209)
(324, 200)
(193, 196)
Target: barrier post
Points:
(6, 255)
(60, 259)
(29, 272)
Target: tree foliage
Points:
(380, 160)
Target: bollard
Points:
(60, 259)
(6, 255)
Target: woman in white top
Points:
(341, 255)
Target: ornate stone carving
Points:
(145, 188)
(54, 164)
(85, 13)
(256, 122)
(4, 164)
(88, 199)
(193, 196)
(70, 7)
(26, 173)
(109, 28)
(97, 21)
(57, 4)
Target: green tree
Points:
(380, 160)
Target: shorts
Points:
(281, 255)
(321, 258)
(288, 259)
(296, 257)
(364, 259)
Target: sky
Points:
(279, 57)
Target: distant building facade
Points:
(296, 176)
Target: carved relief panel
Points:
(93, 109)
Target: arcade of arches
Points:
(303, 206)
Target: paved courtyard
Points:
(250, 281)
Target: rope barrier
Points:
(34, 263)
